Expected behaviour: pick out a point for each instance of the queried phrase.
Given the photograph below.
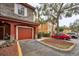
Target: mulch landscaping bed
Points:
(58, 43)
(9, 51)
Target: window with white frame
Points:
(20, 10)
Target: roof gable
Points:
(28, 5)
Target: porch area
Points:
(4, 31)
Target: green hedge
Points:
(43, 34)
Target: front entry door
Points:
(1, 33)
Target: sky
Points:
(63, 21)
(67, 21)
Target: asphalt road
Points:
(34, 48)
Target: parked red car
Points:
(61, 36)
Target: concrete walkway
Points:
(34, 48)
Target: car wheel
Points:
(74, 37)
(66, 39)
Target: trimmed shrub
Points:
(43, 34)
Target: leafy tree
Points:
(75, 26)
(52, 12)
(40, 20)
(61, 29)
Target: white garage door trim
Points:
(24, 27)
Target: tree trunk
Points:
(58, 17)
(53, 29)
(57, 25)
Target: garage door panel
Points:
(24, 33)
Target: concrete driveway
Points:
(34, 48)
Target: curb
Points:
(65, 50)
(19, 49)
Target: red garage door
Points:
(24, 33)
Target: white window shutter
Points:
(15, 9)
(25, 12)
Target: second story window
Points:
(20, 10)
